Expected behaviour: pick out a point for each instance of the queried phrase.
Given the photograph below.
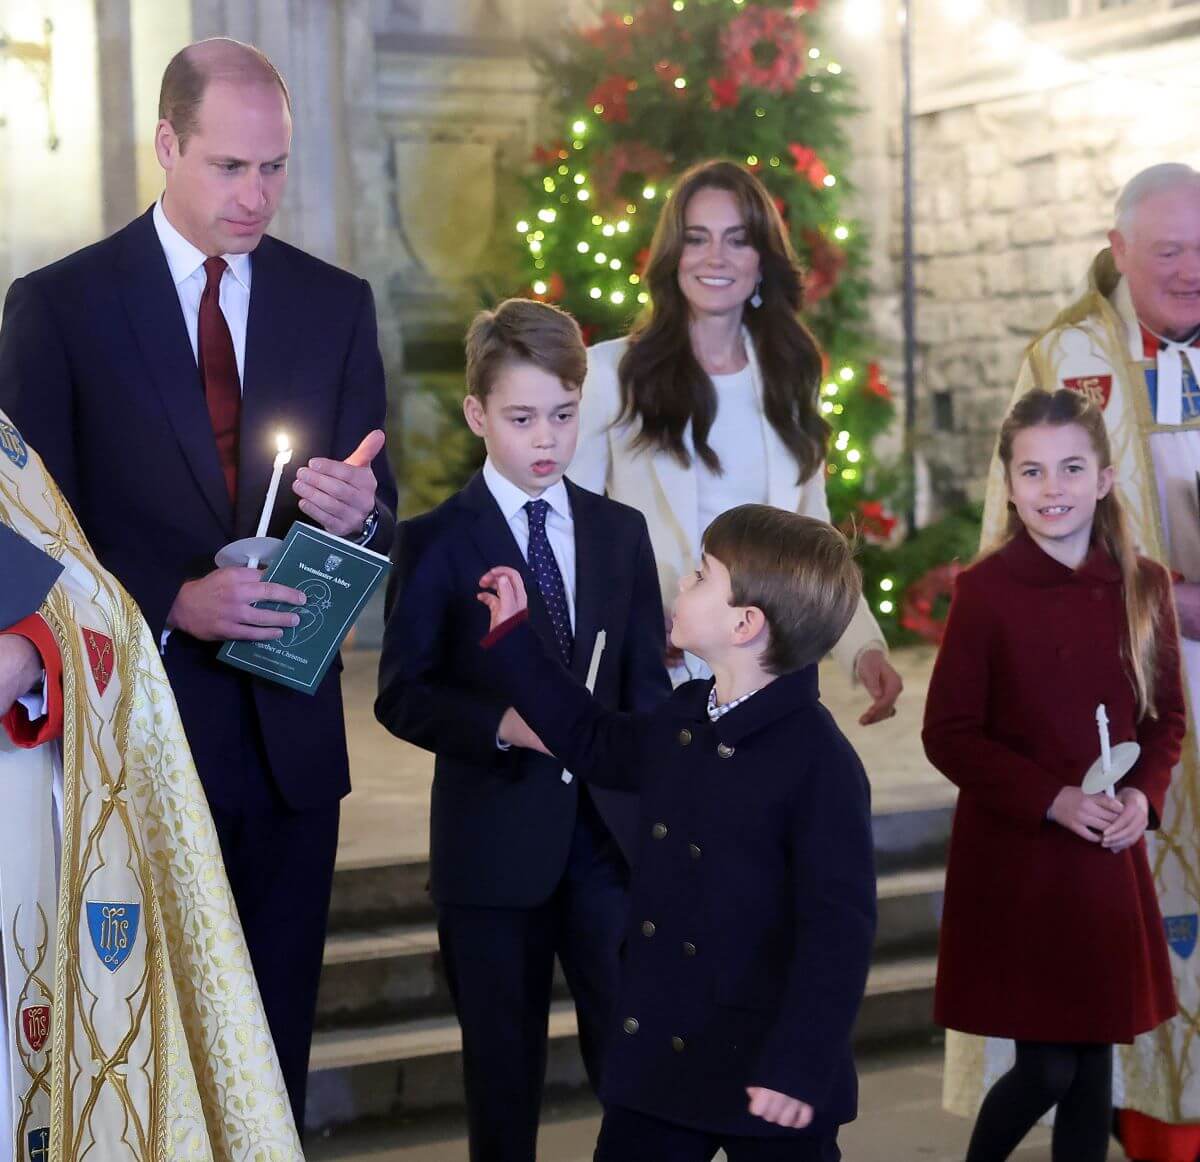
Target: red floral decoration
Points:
(781, 206)
(826, 262)
(876, 384)
(803, 6)
(611, 36)
(610, 98)
(549, 154)
(725, 92)
(620, 172)
(805, 161)
(667, 71)
(640, 261)
(875, 522)
(764, 48)
(927, 601)
(555, 289)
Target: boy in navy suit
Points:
(525, 863)
(753, 901)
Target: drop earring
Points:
(756, 297)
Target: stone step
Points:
(398, 1070)
(911, 831)
(393, 973)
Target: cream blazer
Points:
(664, 491)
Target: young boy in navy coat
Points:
(525, 863)
(753, 902)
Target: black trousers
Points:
(628, 1136)
(499, 963)
(280, 868)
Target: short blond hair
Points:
(798, 570)
(191, 69)
(524, 331)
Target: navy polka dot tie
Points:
(549, 579)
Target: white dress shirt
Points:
(187, 273)
(560, 525)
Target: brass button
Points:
(659, 831)
(685, 736)
(677, 1044)
(723, 751)
(689, 949)
(647, 927)
(694, 850)
(630, 1025)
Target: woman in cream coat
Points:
(726, 292)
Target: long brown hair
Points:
(1110, 527)
(662, 383)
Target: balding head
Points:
(194, 68)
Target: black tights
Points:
(1076, 1078)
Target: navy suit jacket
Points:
(753, 899)
(97, 372)
(501, 821)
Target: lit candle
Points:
(1105, 749)
(282, 457)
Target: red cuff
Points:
(504, 629)
(16, 722)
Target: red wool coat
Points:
(1046, 937)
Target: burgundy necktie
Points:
(219, 373)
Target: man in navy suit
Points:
(525, 864)
(153, 371)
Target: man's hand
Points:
(20, 668)
(504, 594)
(1085, 815)
(220, 607)
(778, 1108)
(515, 731)
(1131, 823)
(340, 494)
(882, 682)
(1187, 609)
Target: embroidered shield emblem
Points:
(39, 1145)
(114, 929)
(1181, 934)
(1098, 388)
(100, 658)
(12, 445)
(332, 562)
(35, 1024)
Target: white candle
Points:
(1105, 749)
(282, 457)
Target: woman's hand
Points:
(1131, 824)
(882, 682)
(1085, 815)
(504, 594)
(778, 1108)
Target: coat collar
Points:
(1031, 564)
(785, 695)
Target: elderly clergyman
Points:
(1130, 342)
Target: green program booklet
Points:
(337, 577)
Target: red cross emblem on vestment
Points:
(100, 658)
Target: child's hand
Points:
(778, 1108)
(509, 597)
(1132, 822)
(1085, 815)
(515, 731)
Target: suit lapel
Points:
(495, 541)
(593, 554)
(677, 484)
(271, 343)
(152, 306)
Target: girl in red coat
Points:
(1051, 933)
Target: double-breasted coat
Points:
(1045, 936)
(753, 896)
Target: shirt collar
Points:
(1032, 564)
(1153, 342)
(184, 259)
(512, 499)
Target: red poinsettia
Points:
(927, 600)
(667, 71)
(805, 161)
(725, 92)
(803, 6)
(549, 154)
(876, 384)
(612, 36)
(781, 206)
(826, 262)
(875, 522)
(621, 172)
(555, 289)
(764, 48)
(610, 96)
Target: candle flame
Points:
(281, 442)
